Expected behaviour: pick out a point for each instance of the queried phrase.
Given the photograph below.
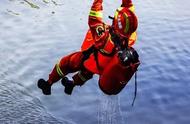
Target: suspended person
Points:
(106, 51)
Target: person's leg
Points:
(78, 79)
(67, 64)
(82, 76)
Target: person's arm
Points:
(96, 24)
(96, 14)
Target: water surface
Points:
(35, 36)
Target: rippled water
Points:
(35, 35)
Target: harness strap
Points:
(96, 59)
(88, 52)
(108, 54)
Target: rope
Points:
(135, 93)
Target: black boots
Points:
(44, 86)
(69, 85)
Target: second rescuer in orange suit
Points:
(97, 49)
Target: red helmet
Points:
(125, 22)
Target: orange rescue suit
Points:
(103, 61)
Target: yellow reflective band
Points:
(81, 77)
(116, 14)
(59, 70)
(96, 13)
(103, 51)
(132, 39)
(117, 11)
(133, 36)
(132, 8)
(127, 23)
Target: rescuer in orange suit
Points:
(102, 43)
